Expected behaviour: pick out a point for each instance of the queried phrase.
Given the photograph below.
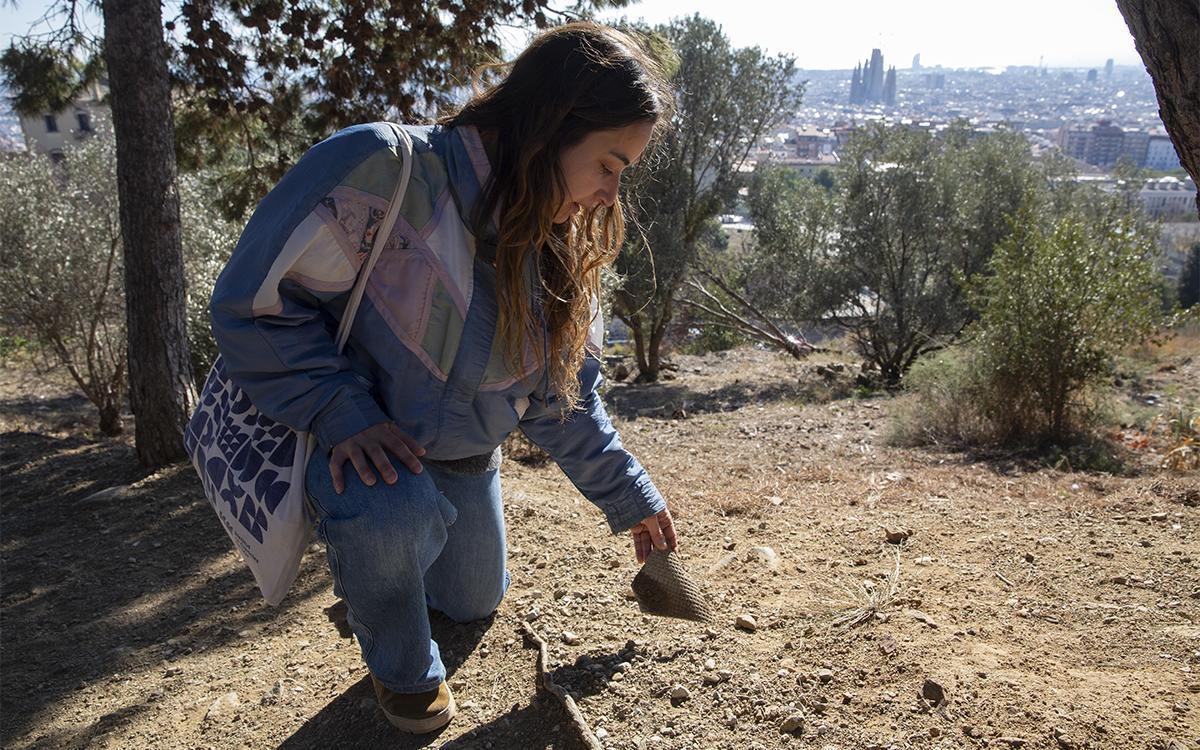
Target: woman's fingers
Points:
(336, 459)
(667, 525)
(360, 465)
(416, 448)
(406, 449)
(655, 531)
(641, 545)
(382, 463)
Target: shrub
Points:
(948, 404)
(1060, 302)
(61, 267)
(1062, 298)
(61, 270)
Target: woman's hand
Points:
(374, 443)
(657, 531)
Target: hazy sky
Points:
(953, 33)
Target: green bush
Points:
(1060, 302)
(61, 272)
(1061, 299)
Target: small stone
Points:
(679, 694)
(792, 724)
(275, 694)
(924, 560)
(1011, 741)
(710, 664)
(1065, 742)
(933, 692)
(825, 675)
(920, 616)
(1105, 553)
(223, 707)
(935, 732)
(1029, 557)
(711, 678)
(601, 733)
(897, 536)
(746, 622)
(569, 638)
(763, 555)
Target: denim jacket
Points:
(420, 351)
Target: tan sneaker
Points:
(416, 713)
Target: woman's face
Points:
(592, 168)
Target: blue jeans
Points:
(434, 539)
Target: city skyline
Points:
(1067, 33)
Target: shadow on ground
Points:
(97, 585)
(353, 720)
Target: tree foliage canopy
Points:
(257, 82)
(727, 98)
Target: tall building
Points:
(868, 83)
(875, 80)
(1108, 68)
(1133, 147)
(916, 61)
(1073, 141)
(1092, 75)
(889, 87)
(1160, 154)
(856, 86)
(1104, 144)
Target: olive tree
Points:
(61, 265)
(727, 98)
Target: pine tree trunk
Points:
(160, 376)
(1167, 36)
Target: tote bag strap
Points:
(381, 236)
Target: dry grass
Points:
(863, 600)
(1181, 427)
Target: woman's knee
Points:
(476, 604)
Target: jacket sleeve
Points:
(589, 451)
(271, 304)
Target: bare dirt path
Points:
(1024, 607)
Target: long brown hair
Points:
(572, 80)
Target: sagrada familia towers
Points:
(870, 85)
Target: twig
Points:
(1002, 578)
(546, 681)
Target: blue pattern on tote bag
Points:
(248, 458)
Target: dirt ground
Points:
(1025, 605)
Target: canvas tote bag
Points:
(252, 467)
